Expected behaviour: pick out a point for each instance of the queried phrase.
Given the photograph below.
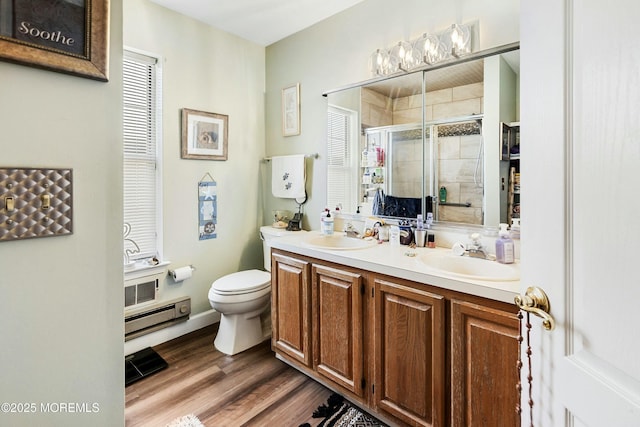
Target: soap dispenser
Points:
(505, 249)
(326, 223)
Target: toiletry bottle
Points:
(323, 215)
(429, 219)
(505, 249)
(431, 240)
(365, 158)
(394, 235)
(443, 194)
(327, 223)
(515, 228)
(420, 233)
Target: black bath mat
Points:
(338, 412)
(142, 364)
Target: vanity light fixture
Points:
(401, 57)
(379, 62)
(426, 50)
(457, 40)
(430, 48)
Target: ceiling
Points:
(261, 21)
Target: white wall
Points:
(335, 52)
(209, 70)
(61, 297)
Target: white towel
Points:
(288, 176)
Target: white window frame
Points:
(343, 167)
(151, 240)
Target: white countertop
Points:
(393, 261)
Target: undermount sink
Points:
(472, 268)
(338, 242)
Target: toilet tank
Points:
(267, 234)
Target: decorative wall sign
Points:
(69, 36)
(291, 110)
(204, 135)
(207, 208)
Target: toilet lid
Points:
(242, 282)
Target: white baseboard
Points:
(194, 323)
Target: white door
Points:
(580, 132)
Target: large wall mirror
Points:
(428, 141)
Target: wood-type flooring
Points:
(252, 388)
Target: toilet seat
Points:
(242, 282)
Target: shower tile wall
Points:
(407, 165)
(457, 161)
(439, 104)
(376, 109)
(457, 154)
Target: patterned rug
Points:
(338, 412)
(186, 421)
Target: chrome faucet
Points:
(350, 231)
(475, 249)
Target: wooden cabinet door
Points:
(337, 327)
(410, 353)
(484, 352)
(291, 308)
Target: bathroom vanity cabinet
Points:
(410, 353)
(291, 308)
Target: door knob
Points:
(535, 301)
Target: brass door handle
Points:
(535, 301)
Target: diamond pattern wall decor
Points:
(35, 203)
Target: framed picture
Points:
(68, 36)
(291, 110)
(204, 135)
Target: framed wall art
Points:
(204, 135)
(68, 36)
(291, 110)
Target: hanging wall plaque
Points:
(207, 208)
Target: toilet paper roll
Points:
(182, 273)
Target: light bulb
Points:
(400, 57)
(379, 62)
(430, 49)
(460, 37)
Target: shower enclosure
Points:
(407, 169)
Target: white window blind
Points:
(141, 79)
(340, 161)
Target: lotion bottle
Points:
(505, 249)
(326, 223)
(394, 235)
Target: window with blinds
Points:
(141, 121)
(341, 161)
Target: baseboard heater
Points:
(152, 318)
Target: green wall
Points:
(61, 297)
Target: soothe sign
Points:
(57, 25)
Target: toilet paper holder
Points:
(172, 272)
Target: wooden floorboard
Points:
(252, 388)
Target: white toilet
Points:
(241, 298)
